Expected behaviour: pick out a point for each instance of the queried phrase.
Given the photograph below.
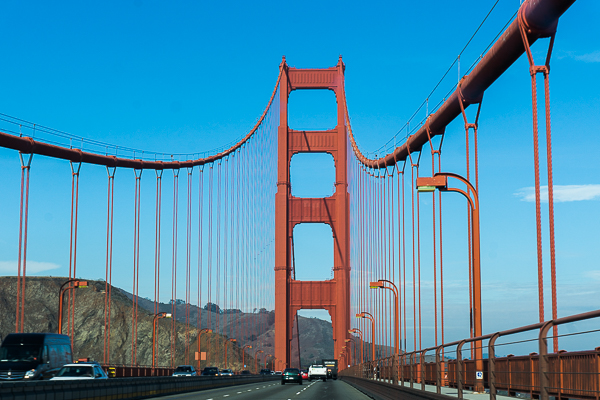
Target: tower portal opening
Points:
(311, 110)
(312, 175)
(313, 252)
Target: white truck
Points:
(317, 372)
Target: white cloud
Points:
(33, 267)
(562, 193)
(593, 275)
(593, 57)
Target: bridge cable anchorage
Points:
(23, 223)
(108, 272)
(550, 31)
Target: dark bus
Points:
(32, 356)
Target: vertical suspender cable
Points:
(441, 256)
(545, 70)
(419, 254)
(435, 301)
(157, 226)
(108, 277)
(136, 265)
(218, 260)
(225, 182)
(174, 267)
(73, 245)
(412, 192)
(210, 251)
(200, 259)
(188, 263)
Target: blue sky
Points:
(193, 76)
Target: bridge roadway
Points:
(274, 390)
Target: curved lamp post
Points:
(365, 314)
(381, 284)
(266, 362)
(227, 342)
(356, 330)
(349, 344)
(70, 284)
(205, 330)
(244, 354)
(440, 181)
(154, 319)
(343, 355)
(256, 360)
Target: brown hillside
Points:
(256, 329)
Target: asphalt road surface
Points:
(274, 390)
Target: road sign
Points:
(479, 375)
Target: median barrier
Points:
(121, 388)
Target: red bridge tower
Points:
(292, 295)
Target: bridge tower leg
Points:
(292, 295)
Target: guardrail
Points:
(125, 388)
(562, 375)
(126, 371)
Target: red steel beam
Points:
(540, 16)
(28, 145)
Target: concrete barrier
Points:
(121, 388)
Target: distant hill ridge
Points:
(255, 329)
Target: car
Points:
(266, 371)
(277, 372)
(211, 371)
(226, 372)
(185, 370)
(304, 374)
(291, 375)
(245, 372)
(80, 371)
(317, 371)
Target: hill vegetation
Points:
(255, 329)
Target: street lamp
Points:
(256, 360)
(381, 284)
(365, 314)
(266, 363)
(345, 355)
(227, 342)
(244, 353)
(440, 181)
(70, 284)
(205, 330)
(356, 330)
(156, 317)
(350, 341)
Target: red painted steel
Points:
(541, 16)
(524, 27)
(332, 295)
(28, 145)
